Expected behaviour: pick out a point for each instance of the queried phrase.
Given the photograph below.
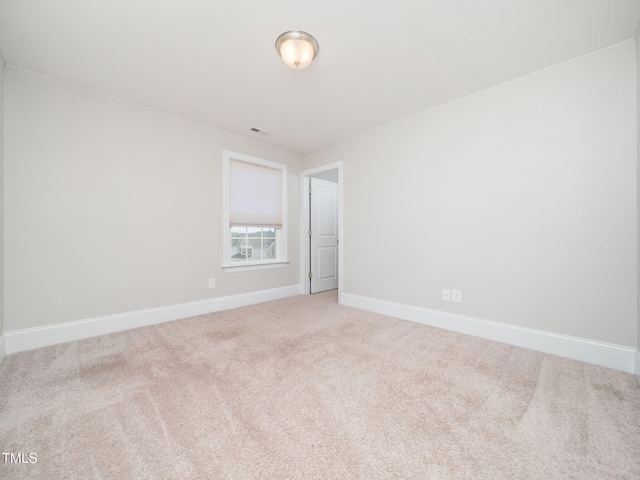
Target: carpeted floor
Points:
(305, 388)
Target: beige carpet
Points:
(304, 388)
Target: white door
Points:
(324, 235)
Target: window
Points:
(255, 212)
(253, 243)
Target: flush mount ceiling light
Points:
(297, 48)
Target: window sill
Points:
(254, 266)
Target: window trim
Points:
(281, 235)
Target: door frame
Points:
(305, 254)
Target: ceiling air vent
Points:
(259, 130)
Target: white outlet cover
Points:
(212, 283)
(457, 296)
(446, 294)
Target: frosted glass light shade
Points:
(296, 53)
(297, 48)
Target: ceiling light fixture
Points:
(297, 48)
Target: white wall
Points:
(329, 175)
(2, 68)
(111, 207)
(638, 176)
(523, 196)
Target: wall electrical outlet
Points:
(457, 296)
(446, 294)
(212, 283)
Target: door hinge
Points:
(310, 275)
(310, 233)
(309, 189)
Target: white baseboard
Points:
(3, 346)
(636, 368)
(609, 355)
(30, 338)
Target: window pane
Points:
(238, 244)
(270, 247)
(253, 244)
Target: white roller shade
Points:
(255, 195)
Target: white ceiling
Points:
(214, 61)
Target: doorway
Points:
(321, 214)
(323, 234)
